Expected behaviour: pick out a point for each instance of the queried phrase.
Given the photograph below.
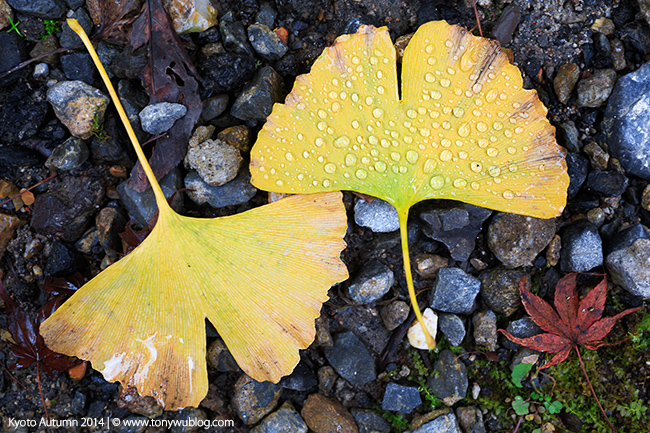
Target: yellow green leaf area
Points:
(260, 277)
(465, 129)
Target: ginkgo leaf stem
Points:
(160, 197)
(403, 230)
(584, 370)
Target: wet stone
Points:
(442, 424)
(133, 424)
(22, 112)
(66, 210)
(520, 328)
(452, 327)
(593, 91)
(302, 378)
(500, 289)
(158, 118)
(506, 24)
(449, 382)
(110, 223)
(378, 215)
(12, 54)
(597, 216)
(454, 291)
(565, 81)
(189, 419)
(567, 136)
(68, 37)
(61, 261)
(577, 168)
(394, 314)
(234, 36)
(50, 43)
(190, 15)
(239, 136)
(399, 398)
(256, 100)
(266, 14)
(237, 191)
(69, 155)
(485, 329)
(607, 183)
(428, 265)
(220, 358)
(618, 55)
(79, 66)
(351, 360)
(516, 239)
(324, 415)
(213, 107)
(373, 282)
(8, 226)
(132, 401)
(79, 106)
(598, 158)
(369, 421)
(142, 205)
(5, 14)
(45, 9)
(454, 224)
(628, 236)
(253, 400)
(226, 72)
(41, 70)
(582, 248)
(265, 42)
(629, 267)
(326, 378)
(470, 419)
(216, 162)
(284, 420)
(627, 122)
(89, 242)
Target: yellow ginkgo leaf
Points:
(260, 277)
(464, 128)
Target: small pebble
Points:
(597, 156)
(394, 314)
(399, 398)
(41, 70)
(158, 118)
(485, 329)
(565, 81)
(428, 265)
(217, 163)
(593, 91)
(373, 282)
(379, 215)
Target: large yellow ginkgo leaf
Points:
(464, 128)
(260, 277)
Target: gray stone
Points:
(517, 239)
(582, 248)
(266, 15)
(219, 357)
(41, 70)
(627, 122)
(394, 314)
(607, 183)
(369, 421)
(68, 155)
(449, 382)
(378, 215)
(79, 106)
(485, 329)
(284, 420)
(454, 224)
(266, 42)
(89, 242)
(520, 328)
(500, 289)
(234, 36)
(442, 424)
(79, 66)
(189, 419)
(470, 419)
(628, 236)
(69, 38)
(577, 167)
(133, 100)
(302, 378)
(644, 5)
(567, 136)
(142, 205)
(618, 54)
(565, 81)
(216, 162)
(373, 282)
(454, 291)
(252, 400)
(401, 398)
(452, 327)
(12, 52)
(213, 107)
(593, 91)
(256, 99)
(629, 267)
(45, 9)
(237, 191)
(351, 359)
(158, 118)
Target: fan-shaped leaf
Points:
(260, 277)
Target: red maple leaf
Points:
(576, 322)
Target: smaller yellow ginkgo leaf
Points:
(260, 277)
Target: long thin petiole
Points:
(584, 370)
(160, 197)
(403, 231)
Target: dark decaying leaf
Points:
(132, 237)
(575, 323)
(64, 286)
(28, 346)
(114, 18)
(169, 76)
